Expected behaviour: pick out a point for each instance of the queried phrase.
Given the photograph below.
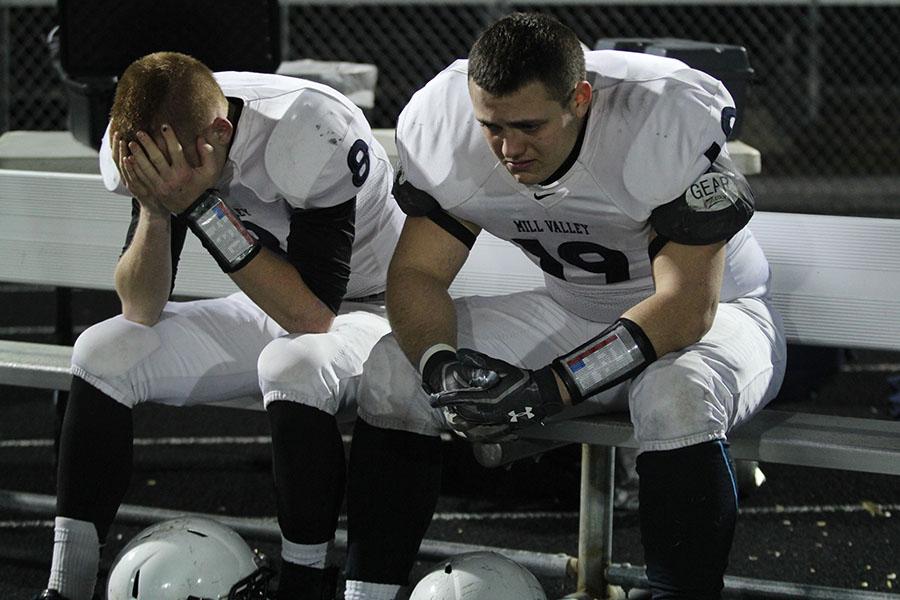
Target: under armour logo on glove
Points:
(514, 416)
(504, 402)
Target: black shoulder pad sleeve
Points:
(320, 245)
(413, 201)
(714, 208)
(417, 203)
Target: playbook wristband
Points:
(620, 352)
(220, 231)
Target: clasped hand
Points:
(487, 399)
(161, 178)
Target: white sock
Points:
(363, 590)
(308, 555)
(76, 558)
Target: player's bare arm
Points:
(425, 262)
(277, 288)
(144, 272)
(682, 309)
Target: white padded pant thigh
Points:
(199, 352)
(322, 369)
(699, 393)
(684, 398)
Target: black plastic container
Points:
(98, 39)
(727, 63)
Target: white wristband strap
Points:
(431, 352)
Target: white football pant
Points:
(687, 397)
(228, 351)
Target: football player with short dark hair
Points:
(283, 183)
(610, 171)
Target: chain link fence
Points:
(34, 98)
(824, 101)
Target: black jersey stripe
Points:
(445, 221)
(712, 153)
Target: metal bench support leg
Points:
(595, 526)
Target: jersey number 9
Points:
(612, 263)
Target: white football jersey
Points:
(652, 120)
(302, 145)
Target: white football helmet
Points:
(478, 576)
(189, 558)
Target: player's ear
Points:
(582, 98)
(221, 131)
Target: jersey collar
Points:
(235, 108)
(570, 160)
(551, 191)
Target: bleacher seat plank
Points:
(806, 439)
(26, 364)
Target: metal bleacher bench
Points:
(836, 282)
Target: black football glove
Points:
(443, 372)
(496, 409)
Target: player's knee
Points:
(111, 349)
(300, 368)
(677, 403)
(390, 393)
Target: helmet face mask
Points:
(478, 576)
(252, 587)
(189, 558)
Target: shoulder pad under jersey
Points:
(318, 153)
(440, 148)
(679, 139)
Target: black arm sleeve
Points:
(176, 241)
(417, 203)
(714, 208)
(320, 245)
